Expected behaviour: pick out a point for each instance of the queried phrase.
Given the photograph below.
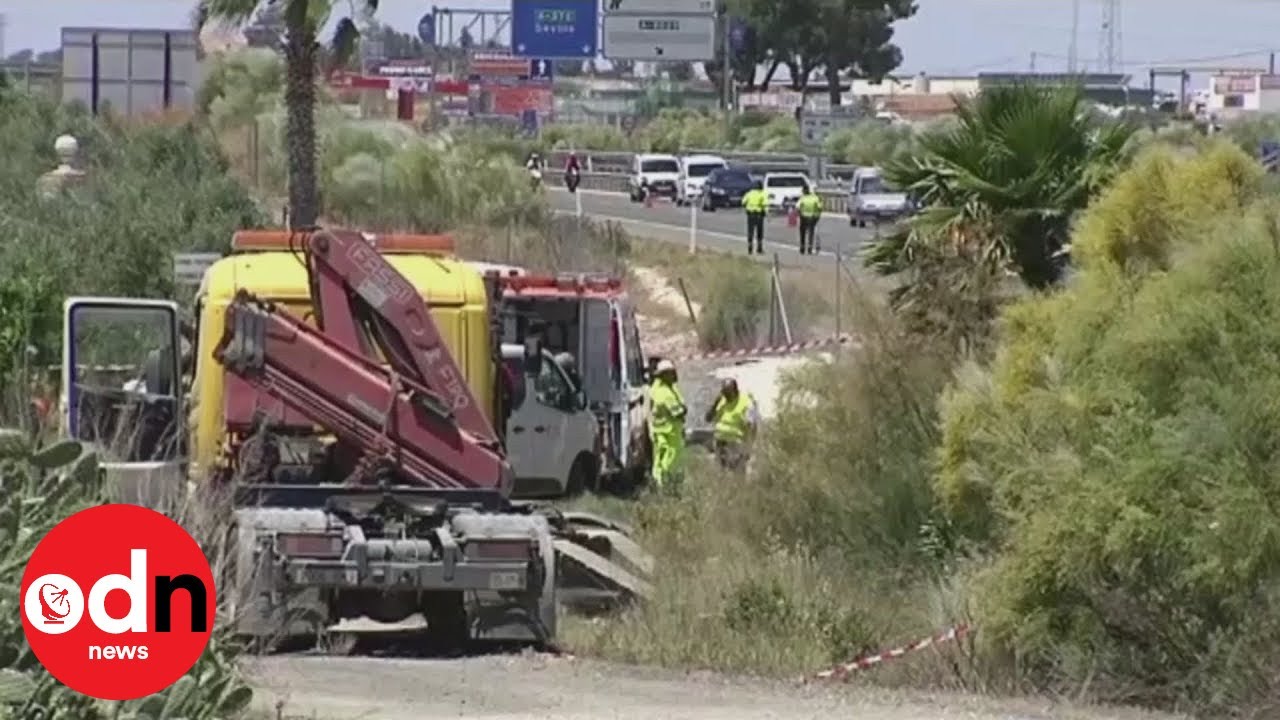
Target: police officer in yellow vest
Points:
(734, 415)
(666, 427)
(756, 203)
(810, 209)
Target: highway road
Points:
(723, 230)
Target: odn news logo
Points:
(144, 629)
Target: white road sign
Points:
(188, 268)
(660, 7)
(690, 38)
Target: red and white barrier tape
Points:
(791, 349)
(843, 670)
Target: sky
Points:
(945, 37)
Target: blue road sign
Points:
(529, 122)
(427, 28)
(541, 69)
(1269, 155)
(554, 29)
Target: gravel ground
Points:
(536, 687)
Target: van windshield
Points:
(659, 166)
(789, 181)
(871, 185)
(703, 169)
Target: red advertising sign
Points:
(514, 100)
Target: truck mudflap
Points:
(599, 566)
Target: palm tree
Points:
(1000, 186)
(303, 21)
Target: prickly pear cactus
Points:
(38, 488)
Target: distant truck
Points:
(871, 200)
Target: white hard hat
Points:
(665, 366)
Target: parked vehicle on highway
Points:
(694, 170)
(653, 173)
(784, 189)
(872, 200)
(726, 186)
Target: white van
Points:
(653, 174)
(694, 170)
(551, 433)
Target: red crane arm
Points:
(353, 286)
(389, 412)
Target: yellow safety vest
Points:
(668, 408)
(810, 205)
(755, 201)
(731, 418)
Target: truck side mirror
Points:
(532, 355)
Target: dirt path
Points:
(536, 687)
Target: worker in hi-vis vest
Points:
(734, 418)
(666, 427)
(756, 203)
(810, 209)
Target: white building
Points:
(1238, 93)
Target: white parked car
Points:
(783, 189)
(694, 170)
(653, 173)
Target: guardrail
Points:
(613, 161)
(834, 199)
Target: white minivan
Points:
(694, 170)
(653, 174)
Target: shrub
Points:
(152, 190)
(1116, 464)
(736, 302)
(869, 143)
(817, 555)
(39, 490)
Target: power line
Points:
(1179, 61)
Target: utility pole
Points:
(1073, 49)
(1033, 61)
(726, 71)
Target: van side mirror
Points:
(532, 355)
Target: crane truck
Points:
(358, 428)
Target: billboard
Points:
(135, 71)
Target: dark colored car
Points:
(726, 186)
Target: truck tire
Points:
(447, 624)
(584, 475)
(548, 602)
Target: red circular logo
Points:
(118, 602)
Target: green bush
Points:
(737, 302)
(869, 143)
(1116, 464)
(151, 190)
(39, 490)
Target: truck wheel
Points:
(337, 644)
(584, 475)
(447, 625)
(548, 601)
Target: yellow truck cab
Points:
(123, 357)
(263, 265)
